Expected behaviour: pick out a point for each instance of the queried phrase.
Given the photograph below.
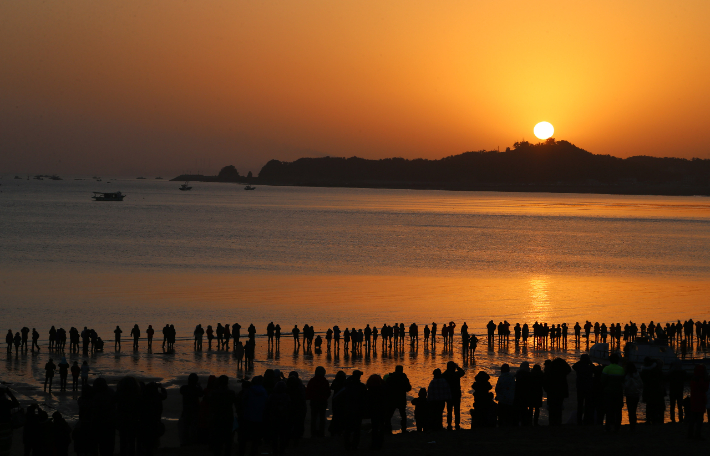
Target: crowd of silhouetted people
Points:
(683, 335)
(271, 409)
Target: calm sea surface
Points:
(337, 256)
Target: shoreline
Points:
(582, 189)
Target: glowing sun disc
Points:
(544, 130)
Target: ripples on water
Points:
(339, 256)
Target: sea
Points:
(334, 256)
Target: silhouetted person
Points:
(210, 336)
(421, 411)
(128, 411)
(253, 410)
(397, 386)
(191, 394)
(75, 372)
(198, 333)
(150, 332)
(491, 332)
(52, 337)
(117, 338)
(227, 334)
(8, 340)
(505, 395)
(585, 389)
(61, 435)
(376, 406)
(49, 369)
(352, 406)
(676, 385)
(151, 411)
(239, 355)
(7, 403)
(278, 417)
(654, 391)
(438, 393)
(17, 341)
(523, 400)
(35, 338)
(537, 381)
(103, 417)
(698, 400)
(632, 390)
(295, 332)
(555, 384)
(85, 374)
(297, 407)
(318, 392)
(613, 384)
(63, 374)
(136, 333)
(453, 375)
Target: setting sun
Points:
(544, 130)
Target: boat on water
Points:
(141, 177)
(18, 177)
(249, 187)
(637, 352)
(185, 187)
(112, 196)
(159, 178)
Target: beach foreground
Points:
(565, 439)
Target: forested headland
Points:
(555, 166)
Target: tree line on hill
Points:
(547, 166)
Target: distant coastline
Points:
(552, 166)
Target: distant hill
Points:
(550, 166)
(556, 166)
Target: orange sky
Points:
(163, 87)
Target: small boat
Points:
(141, 177)
(249, 187)
(55, 178)
(18, 177)
(185, 187)
(113, 196)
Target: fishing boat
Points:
(185, 187)
(113, 196)
(249, 187)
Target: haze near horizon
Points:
(164, 88)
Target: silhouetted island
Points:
(550, 166)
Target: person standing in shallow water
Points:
(150, 332)
(136, 333)
(63, 374)
(49, 369)
(75, 372)
(117, 338)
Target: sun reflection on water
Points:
(539, 298)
